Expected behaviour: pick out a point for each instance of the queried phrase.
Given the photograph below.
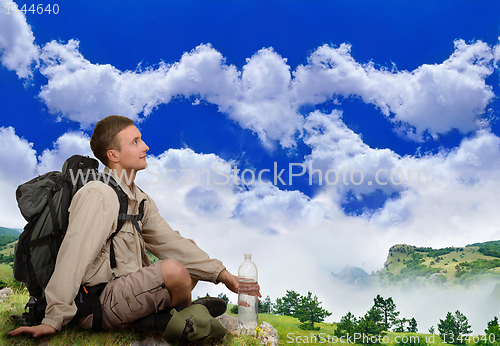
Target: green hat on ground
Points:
(193, 323)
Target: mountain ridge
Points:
(413, 266)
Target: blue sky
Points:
(365, 86)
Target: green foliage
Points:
(436, 253)
(10, 231)
(493, 328)
(7, 239)
(223, 297)
(371, 324)
(309, 311)
(454, 327)
(6, 259)
(234, 309)
(481, 264)
(400, 325)
(287, 305)
(492, 334)
(490, 248)
(410, 340)
(387, 309)
(346, 326)
(413, 325)
(265, 306)
(441, 279)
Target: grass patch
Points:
(14, 305)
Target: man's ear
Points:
(113, 155)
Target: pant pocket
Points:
(129, 299)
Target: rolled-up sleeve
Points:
(165, 243)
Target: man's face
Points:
(132, 154)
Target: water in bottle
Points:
(247, 294)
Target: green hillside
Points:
(8, 240)
(418, 266)
(10, 231)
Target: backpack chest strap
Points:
(123, 217)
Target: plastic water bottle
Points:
(247, 294)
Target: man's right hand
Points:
(36, 331)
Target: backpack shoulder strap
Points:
(123, 200)
(122, 217)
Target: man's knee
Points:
(174, 273)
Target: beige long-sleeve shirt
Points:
(83, 258)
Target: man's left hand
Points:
(231, 282)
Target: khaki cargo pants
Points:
(128, 298)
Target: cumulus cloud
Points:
(434, 98)
(69, 144)
(340, 159)
(257, 101)
(264, 97)
(19, 165)
(18, 156)
(18, 52)
(86, 92)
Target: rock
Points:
(266, 333)
(5, 293)
(229, 322)
(269, 335)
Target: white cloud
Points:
(18, 165)
(17, 155)
(258, 101)
(340, 161)
(264, 98)
(496, 52)
(69, 144)
(86, 92)
(21, 164)
(434, 98)
(17, 48)
(461, 179)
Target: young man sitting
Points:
(135, 289)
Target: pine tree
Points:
(371, 324)
(287, 304)
(346, 325)
(223, 297)
(265, 306)
(388, 310)
(309, 311)
(413, 325)
(463, 326)
(454, 327)
(400, 325)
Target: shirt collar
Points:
(133, 193)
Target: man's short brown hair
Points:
(104, 136)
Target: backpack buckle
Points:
(30, 304)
